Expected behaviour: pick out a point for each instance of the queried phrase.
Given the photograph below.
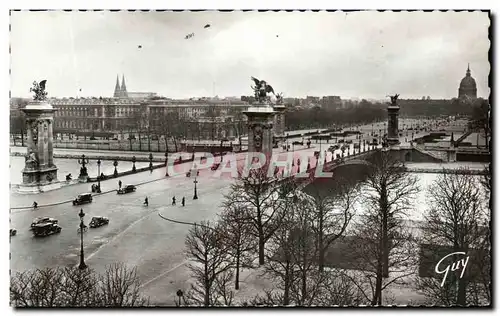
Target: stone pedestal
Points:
(40, 172)
(392, 126)
(260, 129)
(279, 123)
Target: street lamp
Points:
(83, 169)
(82, 265)
(150, 161)
(133, 163)
(195, 197)
(166, 162)
(99, 175)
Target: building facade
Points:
(112, 117)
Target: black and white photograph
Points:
(243, 158)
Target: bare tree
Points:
(72, 287)
(236, 228)
(119, 286)
(384, 242)
(457, 220)
(260, 195)
(206, 249)
(333, 212)
(292, 262)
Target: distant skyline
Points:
(354, 55)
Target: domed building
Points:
(467, 86)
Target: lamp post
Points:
(166, 164)
(115, 163)
(195, 197)
(83, 170)
(99, 175)
(287, 141)
(82, 262)
(150, 161)
(133, 163)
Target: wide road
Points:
(136, 235)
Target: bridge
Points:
(413, 155)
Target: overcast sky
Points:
(357, 54)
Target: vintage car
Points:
(13, 232)
(192, 171)
(43, 220)
(126, 189)
(46, 229)
(83, 199)
(98, 221)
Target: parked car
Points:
(126, 189)
(83, 199)
(98, 221)
(43, 220)
(46, 229)
(13, 232)
(192, 171)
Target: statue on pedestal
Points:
(279, 98)
(261, 89)
(39, 90)
(394, 99)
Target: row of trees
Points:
(317, 250)
(118, 286)
(318, 117)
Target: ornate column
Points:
(260, 129)
(392, 125)
(40, 173)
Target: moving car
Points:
(83, 199)
(128, 188)
(43, 220)
(13, 232)
(98, 221)
(46, 229)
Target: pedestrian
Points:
(119, 184)
(173, 200)
(183, 201)
(35, 205)
(146, 202)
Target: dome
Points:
(468, 82)
(467, 86)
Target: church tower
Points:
(117, 93)
(124, 93)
